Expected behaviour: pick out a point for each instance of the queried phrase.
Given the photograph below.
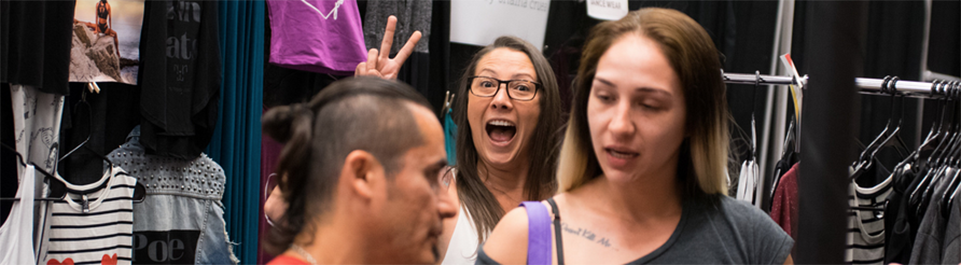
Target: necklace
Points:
(310, 259)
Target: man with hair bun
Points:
(361, 171)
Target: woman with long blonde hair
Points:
(641, 176)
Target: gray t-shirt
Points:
(715, 230)
(928, 243)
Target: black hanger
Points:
(921, 194)
(938, 88)
(139, 190)
(22, 162)
(935, 132)
(864, 160)
(954, 161)
(892, 89)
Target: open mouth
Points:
(501, 131)
(621, 155)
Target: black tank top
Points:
(102, 10)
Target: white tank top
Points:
(16, 234)
(462, 248)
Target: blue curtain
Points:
(236, 141)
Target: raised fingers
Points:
(372, 59)
(361, 69)
(388, 37)
(408, 48)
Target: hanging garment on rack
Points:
(16, 234)
(951, 254)
(412, 15)
(91, 228)
(747, 182)
(36, 117)
(316, 35)
(928, 242)
(865, 237)
(898, 237)
(100, 125)
(180, 74)
(182, 204)
(36, 128)
(35, 49)
(785, 202)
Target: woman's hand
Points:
(378, 62)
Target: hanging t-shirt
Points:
(898, 237)
(928, 242)
(179, 76)
(951, 253)
(35, 49)
(411, 16)
(316, 35)
(865, 237)
(36, 120)
(94, 228)
(16, 234)
(784, 207)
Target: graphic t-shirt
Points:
(180, 76)
(94, 228)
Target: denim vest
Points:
(181, 218)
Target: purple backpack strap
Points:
(538, 233)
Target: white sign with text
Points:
(479, 22)
(607, 9)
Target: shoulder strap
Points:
(557, 231)
(538, 233)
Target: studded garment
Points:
(181, 217)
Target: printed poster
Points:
(106, 41)
(480, 22)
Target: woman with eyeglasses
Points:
(641, 175)
(508, 116)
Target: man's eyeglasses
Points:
(485, 86)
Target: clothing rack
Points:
(912, 88)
